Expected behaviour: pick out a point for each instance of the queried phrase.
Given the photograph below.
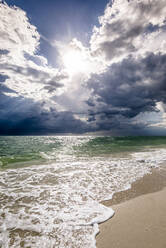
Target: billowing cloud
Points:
(129, 88)
(27, 72)
(16, 33)
(130, 28)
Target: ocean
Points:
(51, 187)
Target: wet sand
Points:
(140, 215)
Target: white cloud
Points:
(162, 121)
(28, 73)
(132, 27)
(16, 33)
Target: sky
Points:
(83, 66)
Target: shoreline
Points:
(139, 219)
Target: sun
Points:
(74, 61)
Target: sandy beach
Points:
(140, 219)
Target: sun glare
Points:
(74, 61)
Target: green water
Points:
(21, 150)
(107, 145)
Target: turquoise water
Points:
(24, 150)
(111, 145)
(51, 187)
(15, 149)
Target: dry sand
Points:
(141, 221)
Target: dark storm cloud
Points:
(21, 116)
(128, 89)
